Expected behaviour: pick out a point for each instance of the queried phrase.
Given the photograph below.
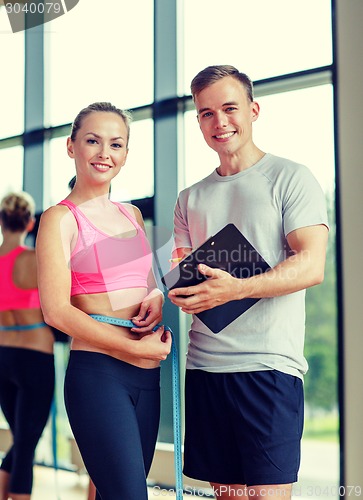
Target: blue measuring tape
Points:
(22, 327)
(54, 444)
(176, 396)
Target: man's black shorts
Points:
(243, 428)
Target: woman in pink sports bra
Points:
(94, 258)
(26, 348)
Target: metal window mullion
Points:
(166, 126)
(33, 181)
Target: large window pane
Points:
(61, 170)
(12, 79)
(11, 169)
(136, 179)
(262, 38)
(99, 52)
(200, 159)
(299, 125)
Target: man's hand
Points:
(216, 290)
(303, 269)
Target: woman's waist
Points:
(97, 362)
(122, 323)
(21, 317)
(79, 345)
(22, 321)
(120, 304)
(39, 339)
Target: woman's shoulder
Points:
(54, 212)
(57, 219)
(26, 260)
(27, 253)
(134, 211)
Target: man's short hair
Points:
(213, 74)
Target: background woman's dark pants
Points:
(26, 393)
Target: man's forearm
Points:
(296, 273)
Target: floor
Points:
(318, 479)
(63, 485)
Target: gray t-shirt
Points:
(266, 202)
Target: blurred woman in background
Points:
(26, 348)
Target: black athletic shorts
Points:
(243, 428)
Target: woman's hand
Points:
(150, 313)
(155, 346)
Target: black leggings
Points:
(26, 393)
(114, 409)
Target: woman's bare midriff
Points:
(39, 339)
(123, 304)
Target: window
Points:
(105, 52)
(99, 52)
(11, 161)
(61, 169)
(200, 160)
(12, 79)
(299, 125)
(136, 179)
(287, 126)
(261, 38)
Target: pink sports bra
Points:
(11, 296)
(103, 263)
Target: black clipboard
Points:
(228, 250)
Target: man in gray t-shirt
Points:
(251, 372)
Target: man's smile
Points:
(225, 135)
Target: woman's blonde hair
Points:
(104, 107)
(16, 211)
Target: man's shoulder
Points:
(279, 166)
(280, 162)
(197, 185)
